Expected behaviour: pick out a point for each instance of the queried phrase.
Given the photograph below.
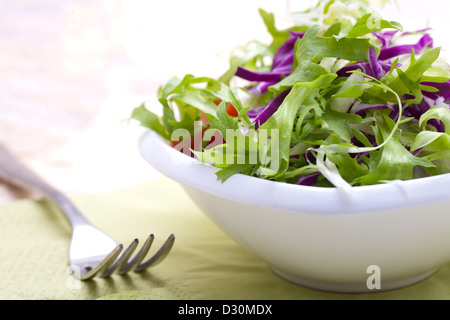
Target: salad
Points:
(342, 99)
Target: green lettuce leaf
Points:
(393, 161)
(370, 23)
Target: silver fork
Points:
(92, 252)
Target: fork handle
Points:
(15, 172)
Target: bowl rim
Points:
(253, 191)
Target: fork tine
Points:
(159, 256)
(104, 264)
(133, 264)
(122, 259)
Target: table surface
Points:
(204, 264)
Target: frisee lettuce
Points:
(340, 105)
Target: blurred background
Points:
(72, 71)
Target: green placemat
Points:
(205, 264)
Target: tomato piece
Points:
(204, 118)
(231, 110)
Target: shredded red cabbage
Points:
(362, 108)
(309, 180)
(286, 50)
(385, 38)
(417, 110)
(255, 112)
(375, 66)
(270, 110)
(392, 52)
(258, 77)
(282, 65)
(444, 89)
(366, 68)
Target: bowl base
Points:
(352, 288)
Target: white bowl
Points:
(379, 238)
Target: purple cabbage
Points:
(392, 52)
(375, 66)
(385, 38)
(255, 112)
(282, 65)
(362, 108)
(257, 76)
(417, 110)
(285, 66)
(270, 110)
(286, 51)
(365, 67)
(417, 152)
(444, 90)
(309, 180)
